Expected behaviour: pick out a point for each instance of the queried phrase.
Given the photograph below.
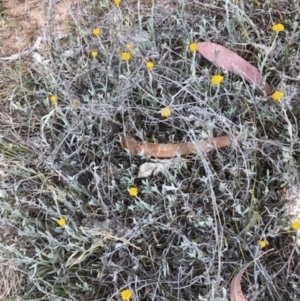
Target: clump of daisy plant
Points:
(217, 79)
(263, 243)
(94, 53)
(133, 191)
(166, 112)
(278, 27)
(125, 56)
(193, 47)
(149, 65)
(295, 225)
(62, 222)
(277, 95)
(53, 98)
(96, 32)
(126, 294)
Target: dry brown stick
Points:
(161, 150)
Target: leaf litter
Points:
(236, 293)
(233, 63)
(169, 150)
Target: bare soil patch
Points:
(22, 22)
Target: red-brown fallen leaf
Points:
(169, 150)
(236, 293)
(232, 62)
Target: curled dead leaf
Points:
(232, 62)
(152, 168)
(156, 166)
(162, 150)
(236, 293)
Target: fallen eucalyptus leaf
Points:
(232, 62)
(236, 293)
(162, 150)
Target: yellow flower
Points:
(126, 56)
(295, 225)
(133, 191)
(149, 65)
(117, 2)
(277, 95)
(94, 53)
(278, 27)
(96, 32)
(165, 112)
(126, 294)
(217, 79)
(130, 46)
(263, 243)
(193, 47)
(53, 98)
(62, 222)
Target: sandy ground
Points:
(23, 21)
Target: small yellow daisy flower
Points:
(133, 191)
(149, 65)
(277, 95)
(117, 2)
(295, 225)
(96, 32)
(94, 53)
(278, 27)
(193, 47)
(165, 112)
(130, 46)
(126, 294)
(53, 98)
(217, 79)
(62, 222)
(263, 243)
(126, 56)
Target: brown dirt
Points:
(23, 21)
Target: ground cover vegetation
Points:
(78, 219)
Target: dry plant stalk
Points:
(161, 150)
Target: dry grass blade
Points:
(161, 150)
(232, 62)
